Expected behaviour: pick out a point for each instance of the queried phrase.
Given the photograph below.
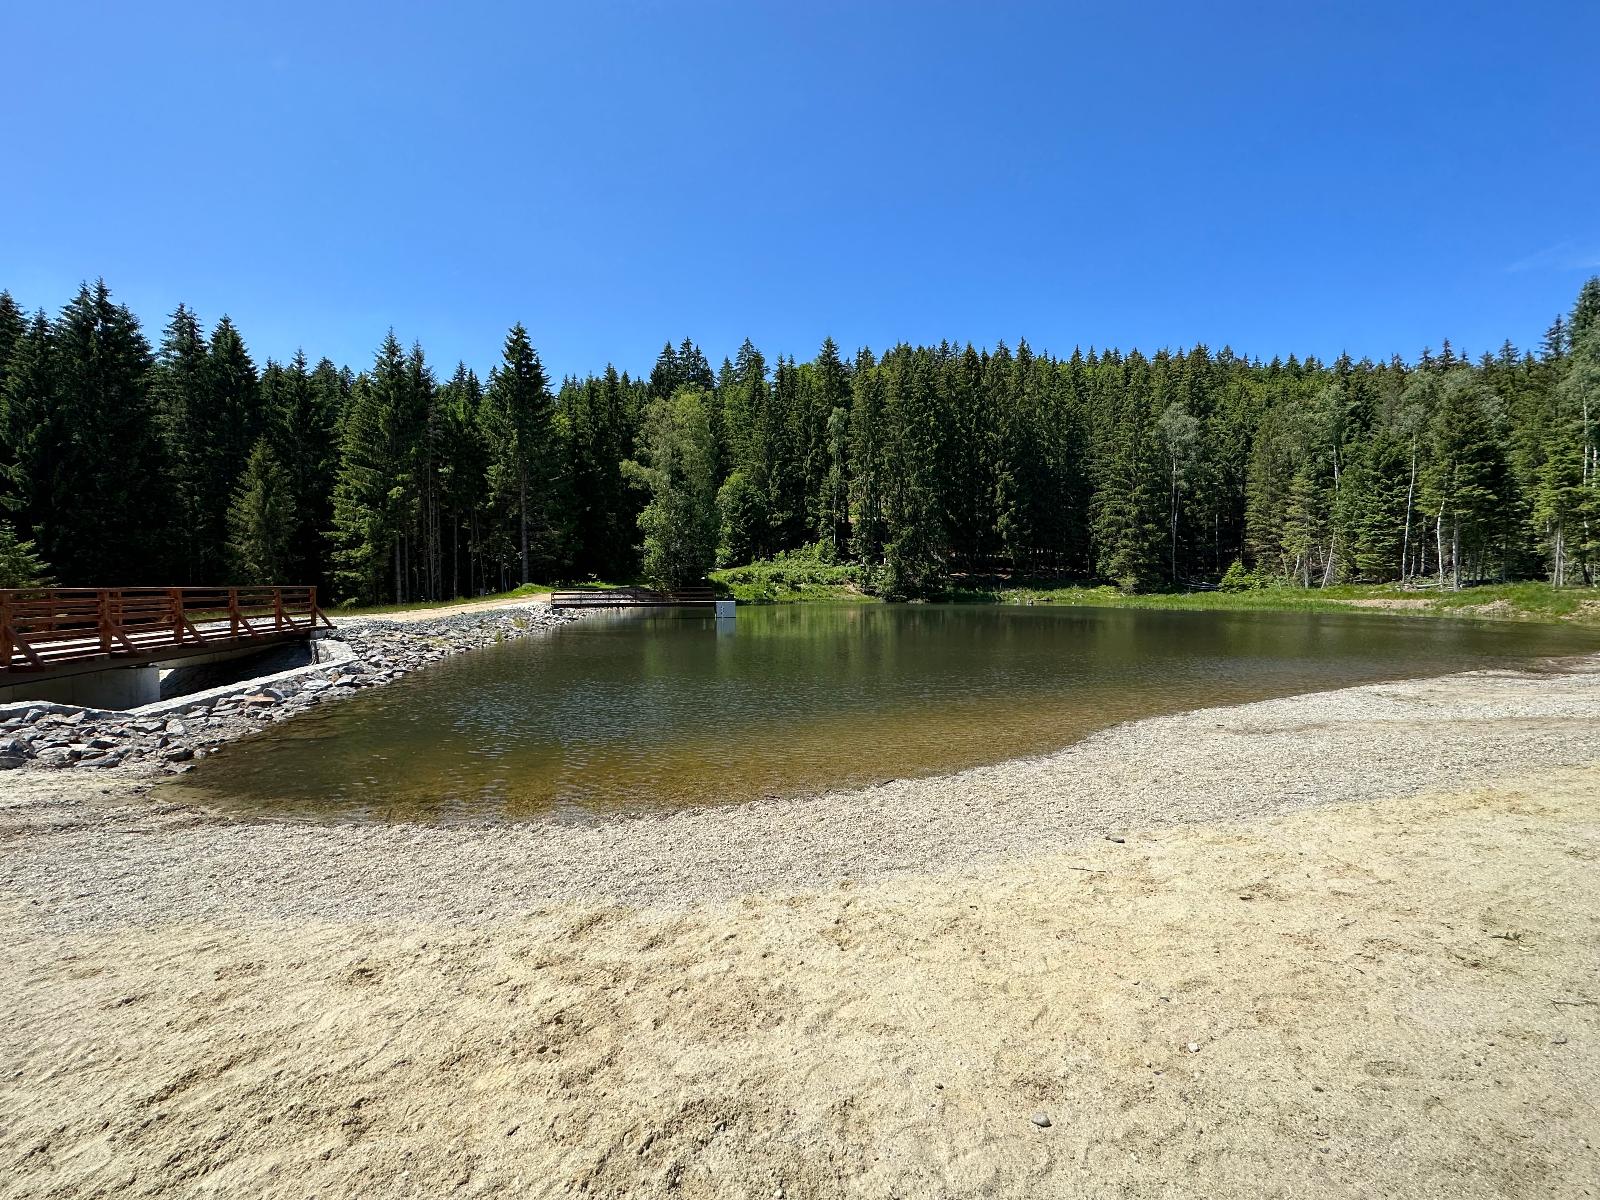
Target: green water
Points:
(639, 712)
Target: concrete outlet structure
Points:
(119, 687)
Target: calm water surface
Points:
(640, 712)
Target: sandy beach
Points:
(1342, 944)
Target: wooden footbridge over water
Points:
(635, 598)
(49, 634)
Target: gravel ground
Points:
(88, 850)
(1173, 960)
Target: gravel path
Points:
(88, 850)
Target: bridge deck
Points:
(60, 631)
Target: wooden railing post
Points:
(175, 599)
(6, 643)
(233, 612)
(277, 608)
(104, 597)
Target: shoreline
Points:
(1339, 943)
(1201, 767)
(162, 739)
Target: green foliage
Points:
(678, 472)
(1238, 579)
(20, 564)
(519, 420)
(261, 525)
(803, 574)
(922, 465)
(742, 518)
(88, 470)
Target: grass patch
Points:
(800, 578)
(1526, 601)
(790, 578)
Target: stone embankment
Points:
(163, 738)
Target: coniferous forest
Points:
(185, 461)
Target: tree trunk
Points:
(522, 504)
(1438, 537)
(1173, 521)
(1405, 536)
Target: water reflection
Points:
(638, 711)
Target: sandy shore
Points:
(865, 994)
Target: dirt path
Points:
(448, 610)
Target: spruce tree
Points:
(200, 474)
(301, 411)
(261, 527)
(106, 513)
(13, 324)
(1463, 483)
(1585, 312)
(20, 564)
(369, 494)
(518, 414)
(33, 433)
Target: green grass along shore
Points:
(779, 583)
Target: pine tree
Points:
(518, 413)
(834, 506)
(188, 420)
(602, 512)
(916, 543)
(1463, 483)
(1178, 434)
(261, 527)
(32, 431)
(1126, 533)
(1585, 312)
(463, 476)
(867, 458)
(301, 412)
(102, 501)
(13, 325)
(369, 494)
(20, 564)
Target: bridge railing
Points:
(632, 598)
(41, 628)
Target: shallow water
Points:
(642, 712)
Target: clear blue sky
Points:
(1278, 176)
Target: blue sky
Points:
(1282, 177)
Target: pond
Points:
(638, 712)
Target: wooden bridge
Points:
(53, 632)
(634, 598)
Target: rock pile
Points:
(56, 736)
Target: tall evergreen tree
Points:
(261, 527)
(518, 414)
(105, 508)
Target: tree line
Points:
(186, 462)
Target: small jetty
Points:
(635, 598)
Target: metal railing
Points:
(45, 628)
